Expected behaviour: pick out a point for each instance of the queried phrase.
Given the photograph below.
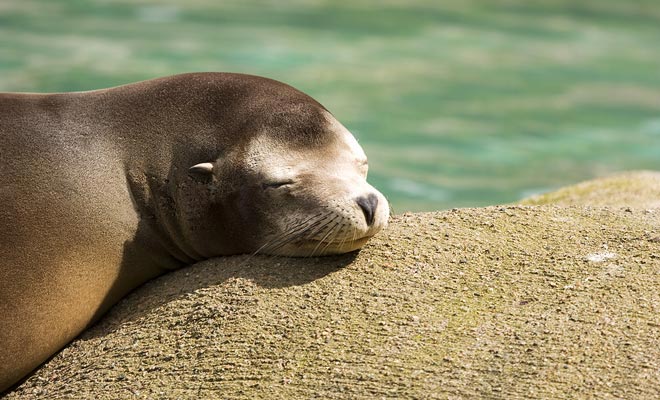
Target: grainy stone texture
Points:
(501, 302)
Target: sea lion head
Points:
(295, 185)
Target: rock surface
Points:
(639, 189)
(499, 302)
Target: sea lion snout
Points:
(307, 200)
(368, 205)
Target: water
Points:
(468, 103)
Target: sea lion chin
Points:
(104, 190)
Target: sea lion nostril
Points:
(368, 205)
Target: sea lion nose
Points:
(368, 205)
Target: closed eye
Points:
(275, 185)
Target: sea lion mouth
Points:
(340, 242)
(311, 247)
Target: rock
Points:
(536, 310)
(630, 190)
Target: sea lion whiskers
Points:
(293, 233)
(336, 233)
(305, 232)
(346, 237)
(311, 230)
(296, 229)
(330, 231)
(321, 227)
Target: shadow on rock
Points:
(270, 272)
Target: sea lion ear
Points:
(204, 168)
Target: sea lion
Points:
(102, 190)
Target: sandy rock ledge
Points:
(500, 302)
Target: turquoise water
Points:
(467, 103)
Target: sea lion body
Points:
(104, 190)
